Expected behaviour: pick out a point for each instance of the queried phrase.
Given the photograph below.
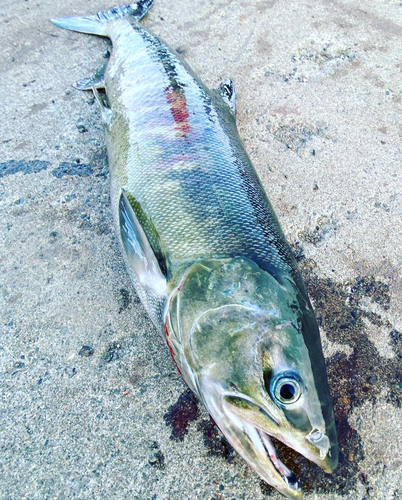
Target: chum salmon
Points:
(205, 251)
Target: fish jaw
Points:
(318, 446)
(254, 446)
(251, 438)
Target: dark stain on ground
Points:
(215, 441)
(184, 411)
(396, 338)
(28, 167)
(156, 458)
(74, 168)
(97, 166)
(124, 299)
(179, 415)
(293, 134)
(353, 379)
(113, 352)
(323, 226)
(99, 162)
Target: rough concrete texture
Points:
(319, 102)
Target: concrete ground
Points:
(91, 403)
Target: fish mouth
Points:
(249, 428)
(253, 442)
(277, 474)
(286, 474)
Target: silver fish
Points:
(205, 251)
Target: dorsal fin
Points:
(228, 93)
(138, 250)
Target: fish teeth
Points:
(294, 484)
(288, 476)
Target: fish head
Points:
(248, 351)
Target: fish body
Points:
(206, 253)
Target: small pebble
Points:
(86, 351)
(81, 128)
(156, 459)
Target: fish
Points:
(205, 251)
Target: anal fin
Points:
(90, 83)
(103, 102)
(138, 250)
(97, 80)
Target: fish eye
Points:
(286, 389)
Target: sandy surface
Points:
(319, 109)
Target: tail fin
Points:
(97, 24)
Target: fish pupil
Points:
(286, 389)
(287, 392)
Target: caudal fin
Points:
(97, 24)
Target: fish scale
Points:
(205, 252)
(207, 208)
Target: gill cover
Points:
(237, 336)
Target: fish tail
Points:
(97, 24)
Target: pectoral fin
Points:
(138, 251)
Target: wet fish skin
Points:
(206, 253)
